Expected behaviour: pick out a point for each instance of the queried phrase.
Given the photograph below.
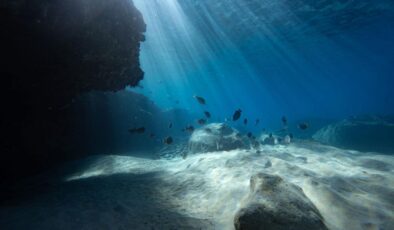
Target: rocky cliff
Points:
(51, 52)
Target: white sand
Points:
(352, 190)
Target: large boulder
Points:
(274, 204)
(215, 137)
(363, 133)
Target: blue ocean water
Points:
(270, 59)
(318, 75)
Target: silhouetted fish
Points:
(284, 121)
(237, 114)
(207, 114)
(245, 121)
(170, 125)
(208, 130)
(152, 135)
(139, 130)
(200, 100)
(303, 126)
(168, 140)
(257, 122)
(249, 134)
(201, 121)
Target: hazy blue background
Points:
(270, 66)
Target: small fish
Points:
(208, 130)
(237, 114)
(152, 135)
(139, 130)
(284, 121)
(303, 126)
(207, 114)
(200, 100)
(168, 140)
(257, 122)
(245, 121)
(201, 121)
(249, 134)
(189, 128)
(170, 125)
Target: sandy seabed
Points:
(352, 190)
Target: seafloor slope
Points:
(351, 190)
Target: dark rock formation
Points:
(52, 51)
(274, 204)
(60, 48)
(363, 133)
(215, 137)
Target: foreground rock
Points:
(215, 137)
(274, 204)
(366, 133)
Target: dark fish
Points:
(139, 130)
(249, 135)
(291, 136)
(284, 120)
(189, 128)
(168, 140)
(257, 122)
(208, 130)
(170, 125)
(303, 126)
(207, 114)
(245, 121)
(237, 114)
(201, 121)
(200, 100)
(152, 135)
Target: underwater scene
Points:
(197, 114)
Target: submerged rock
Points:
(274, 204)
(363, 133)
(52, 51)
(268, 139)
(215, 137)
